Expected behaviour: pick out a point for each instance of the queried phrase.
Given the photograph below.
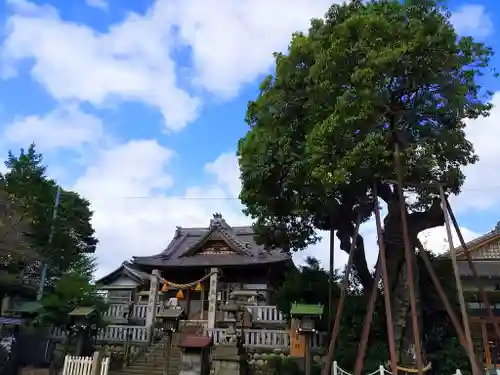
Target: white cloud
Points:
(227, 172)
(472, 20)
(436, 239)
(72, 61)
(133, 216)
(231, 43)
(99, 4)
(64, 128)
(480, 191)
(134, 169)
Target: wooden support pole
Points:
(456, 272)
(343, 292)
(469, 349)
(472, 267)
(368, 322)
(385, 282)
(330, 279)
(486, 345)
(409, 261)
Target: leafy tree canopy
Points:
(72, 290)
(308, 284)
(322, 125)
(73, 235)
(16, 254)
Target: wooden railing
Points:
(262, 314)
(113, 333)
(119, 311)
(266, 314)
(260, 338)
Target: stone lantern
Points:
(83, 322)
(229, 356)
(231, 336)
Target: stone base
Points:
(228, 360)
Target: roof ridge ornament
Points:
(218, 221)
(178, 231)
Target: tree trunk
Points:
(400, 306)
(398, 277)
(396, 265)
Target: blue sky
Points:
(140, 108)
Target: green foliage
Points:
(321, 124)
(308, 284)
(277, 365)
(73, 235)
(16, 254)
(72, 290)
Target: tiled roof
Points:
(181, 252)
(127, 269)
(486, 267)
(476, 242)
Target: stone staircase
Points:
(153, 362)
(163, 358)
(174, 362)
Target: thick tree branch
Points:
(385, 192)
(359, 261)
(431, 218)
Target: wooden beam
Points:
(486, 345)
(487, 319)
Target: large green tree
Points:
(73, 238)
(323, 126)
(72, 290)
(16, 254)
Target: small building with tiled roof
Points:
(485, 253)
(232, 253)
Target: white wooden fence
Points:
(121, 310)
(263, 314)
(266, 314)
(113, 333)
(260, 338)
(82, 365)
(336, 370)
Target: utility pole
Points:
(330, 279)
(45, 266)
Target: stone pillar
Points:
(202, 297)
(212, 298)
(152, 300)
(96, 364)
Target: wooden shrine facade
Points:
(193, 254)
(485, 252)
